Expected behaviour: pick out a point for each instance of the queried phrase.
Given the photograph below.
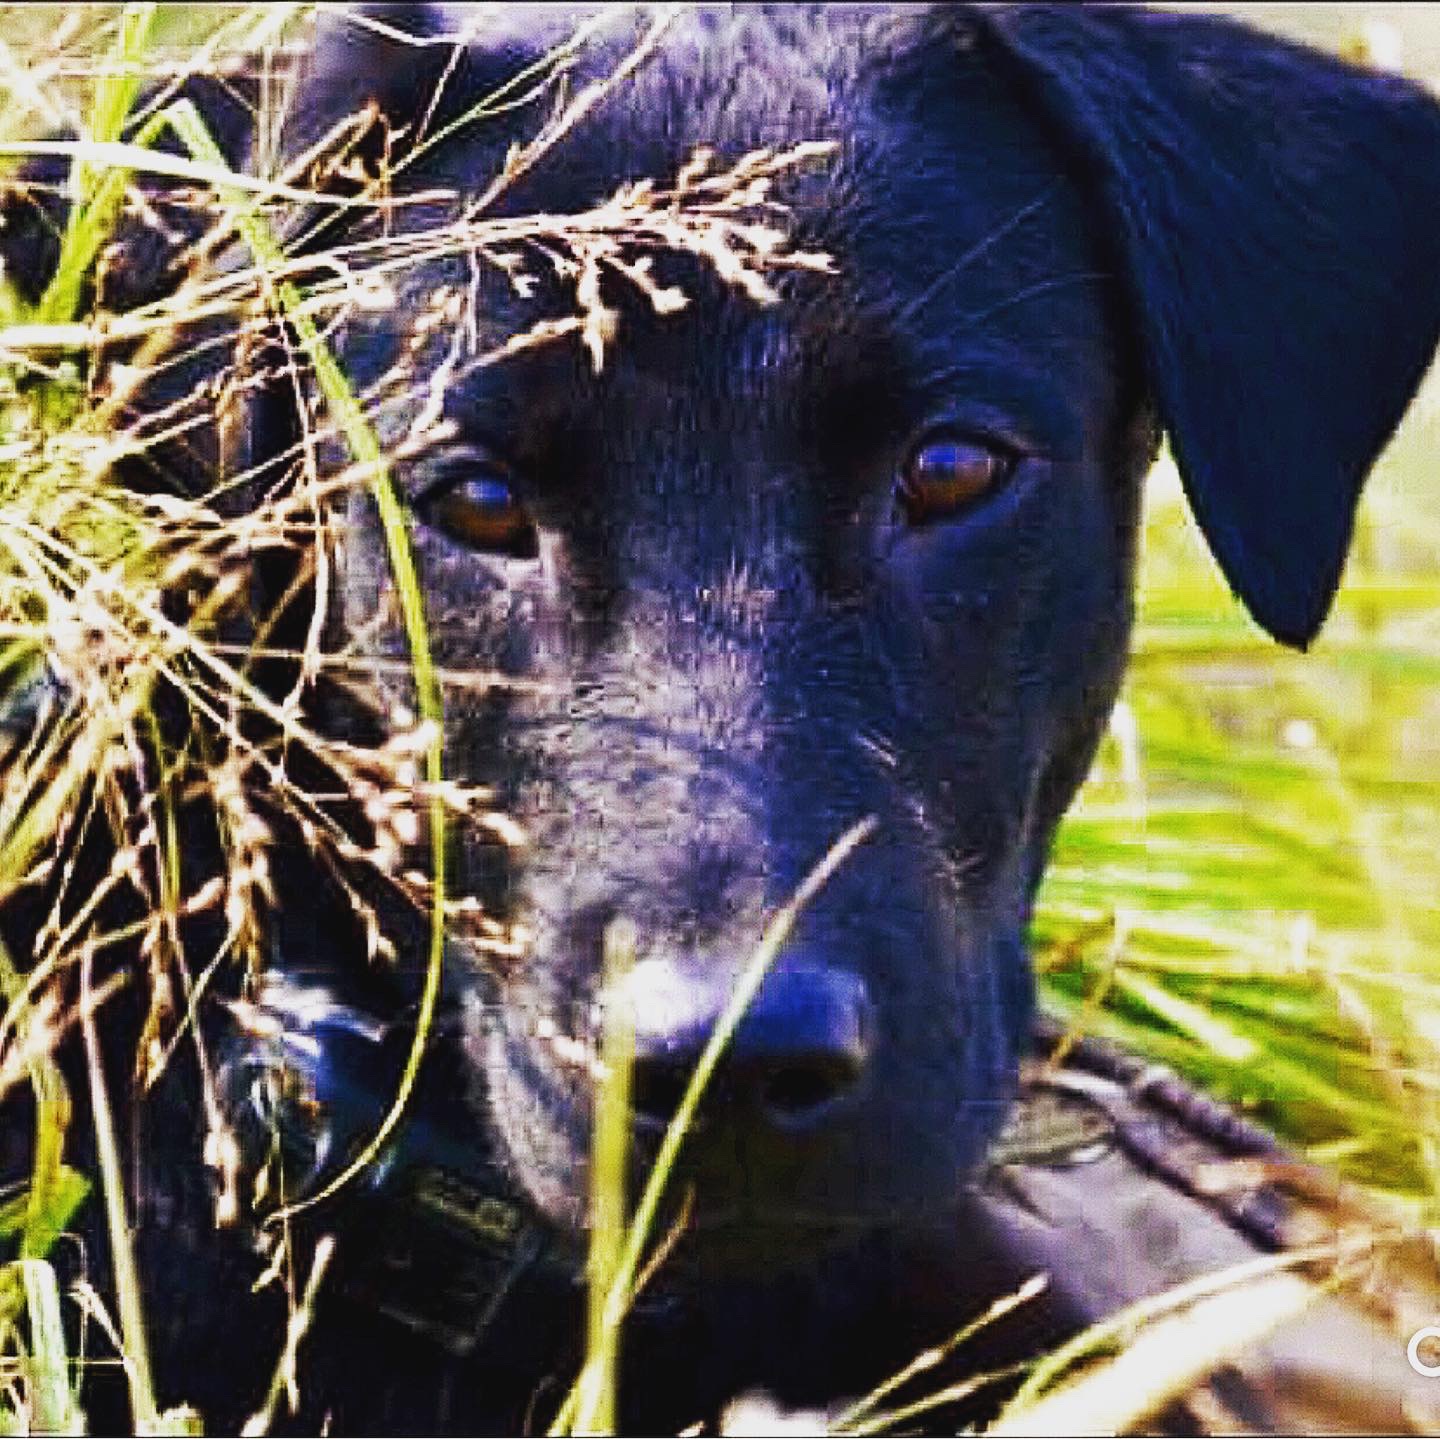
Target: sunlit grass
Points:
(1248, 886)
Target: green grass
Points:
(1245, 890)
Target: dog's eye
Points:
(478, 507)
(948, 474)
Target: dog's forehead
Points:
(792, 44)
(938, 163)
(955, 234)
(729, 78)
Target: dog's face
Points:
(866, 552)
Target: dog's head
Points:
(867, 551)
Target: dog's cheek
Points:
(1010, 627)
(479, 611)
(967, 600)
(1082, 625)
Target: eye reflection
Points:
(949, 474)
(477, 506)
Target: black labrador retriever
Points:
(774, 570)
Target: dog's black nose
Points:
(800, 1048)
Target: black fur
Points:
(1055, 230)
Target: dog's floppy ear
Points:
(1276, 217)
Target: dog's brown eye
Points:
(481, 511)
(944, 476)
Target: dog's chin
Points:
(749, 1244)
(707, 1224)
(709, 1231)
(742, 1242)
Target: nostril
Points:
(802, 1046)
(657, 1087)
(798, 1090)
(788, 1092)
